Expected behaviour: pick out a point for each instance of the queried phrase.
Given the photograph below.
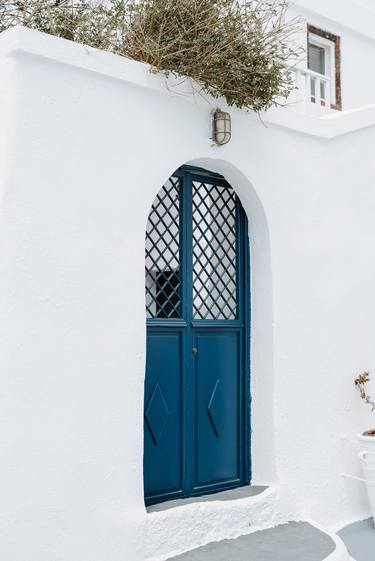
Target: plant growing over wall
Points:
(236, 49)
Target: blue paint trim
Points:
(168, 323)
(218, 323)
(202, 172)
(189, 383)
(246, 291)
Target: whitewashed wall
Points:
(89, 140)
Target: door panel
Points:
(218, 408)
(163, 415)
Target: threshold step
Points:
(295, 541)
(230, 495)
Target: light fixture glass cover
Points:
(222, 129)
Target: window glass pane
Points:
(214, 252)
(317, 61)
(163, 283)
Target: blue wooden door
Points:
(197, 403)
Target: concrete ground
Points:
(359, 539)
(296, 541)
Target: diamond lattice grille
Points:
(163, 282)
(214, 252)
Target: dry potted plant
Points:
(367, 442)
(235, 49)
(361, 381)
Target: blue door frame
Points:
(197, 387)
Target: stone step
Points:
(174, 527)
(295, 541)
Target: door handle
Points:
(195, 350)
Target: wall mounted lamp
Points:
(222, 127)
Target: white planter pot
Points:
(367, 457)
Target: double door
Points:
(196, 433)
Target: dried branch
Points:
(236, 49)
(361, 382)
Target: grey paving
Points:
(359, 539)
(233, 494)
(296, 541)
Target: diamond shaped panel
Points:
(157, 414)
(217, 409)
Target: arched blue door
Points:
(196, 434)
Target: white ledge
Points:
(327, 126)
(23, 41)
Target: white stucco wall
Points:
(91, 138)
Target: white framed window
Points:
(323, 60)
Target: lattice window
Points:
(163, 280)
(214, 252)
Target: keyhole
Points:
(195, 350)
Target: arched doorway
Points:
(197, 403)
